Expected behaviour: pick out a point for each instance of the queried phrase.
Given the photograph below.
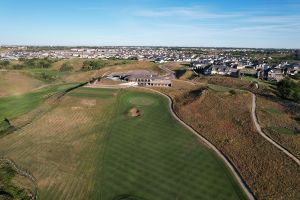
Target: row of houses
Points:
(263, 71)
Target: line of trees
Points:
(27, 63)
(38, 63)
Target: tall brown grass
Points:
(224, 119)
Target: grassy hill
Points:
(16, 82)
(222, 115)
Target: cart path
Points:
(258, 128)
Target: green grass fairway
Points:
(13, 106)
(88, 147)
(154, 157)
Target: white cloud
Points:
(198, 12)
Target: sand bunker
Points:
(134, 112)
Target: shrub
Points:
(38, 63)
(289, 89)
(4, 64)
(232, 92)
(92, 65)
(48, 77)
(18, 66)
(66, 67)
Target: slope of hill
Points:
(223, 117)
(16, 82)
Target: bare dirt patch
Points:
(76, 108)
(88, 102)
(134, 112)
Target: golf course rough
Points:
(88, 147)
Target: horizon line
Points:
(152, 46)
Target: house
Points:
(274, 74)
(217, 69)
(292, 69)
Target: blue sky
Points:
(231, 23)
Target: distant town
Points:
(268, 64)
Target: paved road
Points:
(278, 146)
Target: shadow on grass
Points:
(128, 197)
(179, 73)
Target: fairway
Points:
(14, 106)
(88, 147)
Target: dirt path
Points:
(257, 126)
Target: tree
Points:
(297, 54)
(4, 63)
(289, 89)
(66, 67)
(18, 66)
(238, 73)
(29, 63)
(92, 65)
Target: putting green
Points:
(142, 101)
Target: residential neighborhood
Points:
(257, 63)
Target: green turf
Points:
(154, 157)
(92, 93)
(101, 152)
(46, 75)
(273, 111)
(14, 106)
(284, 130)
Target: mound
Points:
(134, 112)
